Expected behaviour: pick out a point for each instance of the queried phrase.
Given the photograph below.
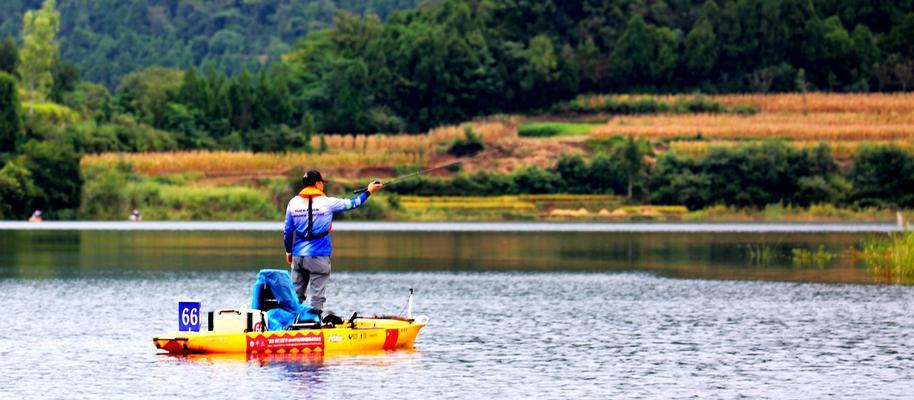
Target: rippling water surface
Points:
(516, 316)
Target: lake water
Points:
(516, 314)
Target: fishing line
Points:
(417, 173)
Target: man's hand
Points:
(374, 186)
(289, 258)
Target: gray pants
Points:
(315, 270)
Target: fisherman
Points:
(309, 218)
(135, 216)
(36, 216)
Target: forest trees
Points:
(9, 56)
(10, 115)
(40, 51)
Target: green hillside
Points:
(440, 63)
(107, 39)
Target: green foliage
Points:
(645, 55)
(109, 39)
(40, 51)
(891, 257)
(277, 139)
(452, 60)
(372, 210)
(9, 56)
(104, 196)
(147, 93)
(10, 114)
(759, 254)
(122, 133)
(744, 109)
(645, 105)
(630, 159)
(88, 99)
(537, 181)
(53, 113)
(323, 147)
(882, 176)
(549, 129)
(55, 169)
(805, 257)
(16, 191)
(65, 79)
(241, 96)
(701, 49)
(753, 175)
(111, 193)
(574, 172)
(468, 146)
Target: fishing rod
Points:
(407, 176)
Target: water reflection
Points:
(69, 254)
(377, 358)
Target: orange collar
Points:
(311, 191)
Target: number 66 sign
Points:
(189, 315)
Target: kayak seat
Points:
(274, 293)
(267, 300)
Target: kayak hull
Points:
(368, 334)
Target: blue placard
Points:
(189, 316)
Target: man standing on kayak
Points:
(309, 218)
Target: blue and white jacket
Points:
(299, 240)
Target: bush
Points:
(140, 137)
(372, 210)
(882, 175)
(754, 175)
(54, 113)
(639, 105)
(16, 191)
(677, 181)
(538, 130)
(55, 169)
(549, 129)
(574, 173)
(536, 181)
(178, 203)
(275, 139)
(699, 104)
(745, 109)
(468, 146)
(10, 114)
(104, 196)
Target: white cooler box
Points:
(237, 321)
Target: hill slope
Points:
(107, 39)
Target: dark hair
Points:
(311, 178)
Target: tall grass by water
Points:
(891, 257)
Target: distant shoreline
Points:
(569, 227)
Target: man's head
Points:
(313, 178)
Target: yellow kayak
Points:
(362, 335)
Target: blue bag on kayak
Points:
(273, 293)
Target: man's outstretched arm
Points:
(357, 201)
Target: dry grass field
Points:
(845, 121)
(790, 126)
(218, 163)
(374, 144)
(873, 103)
